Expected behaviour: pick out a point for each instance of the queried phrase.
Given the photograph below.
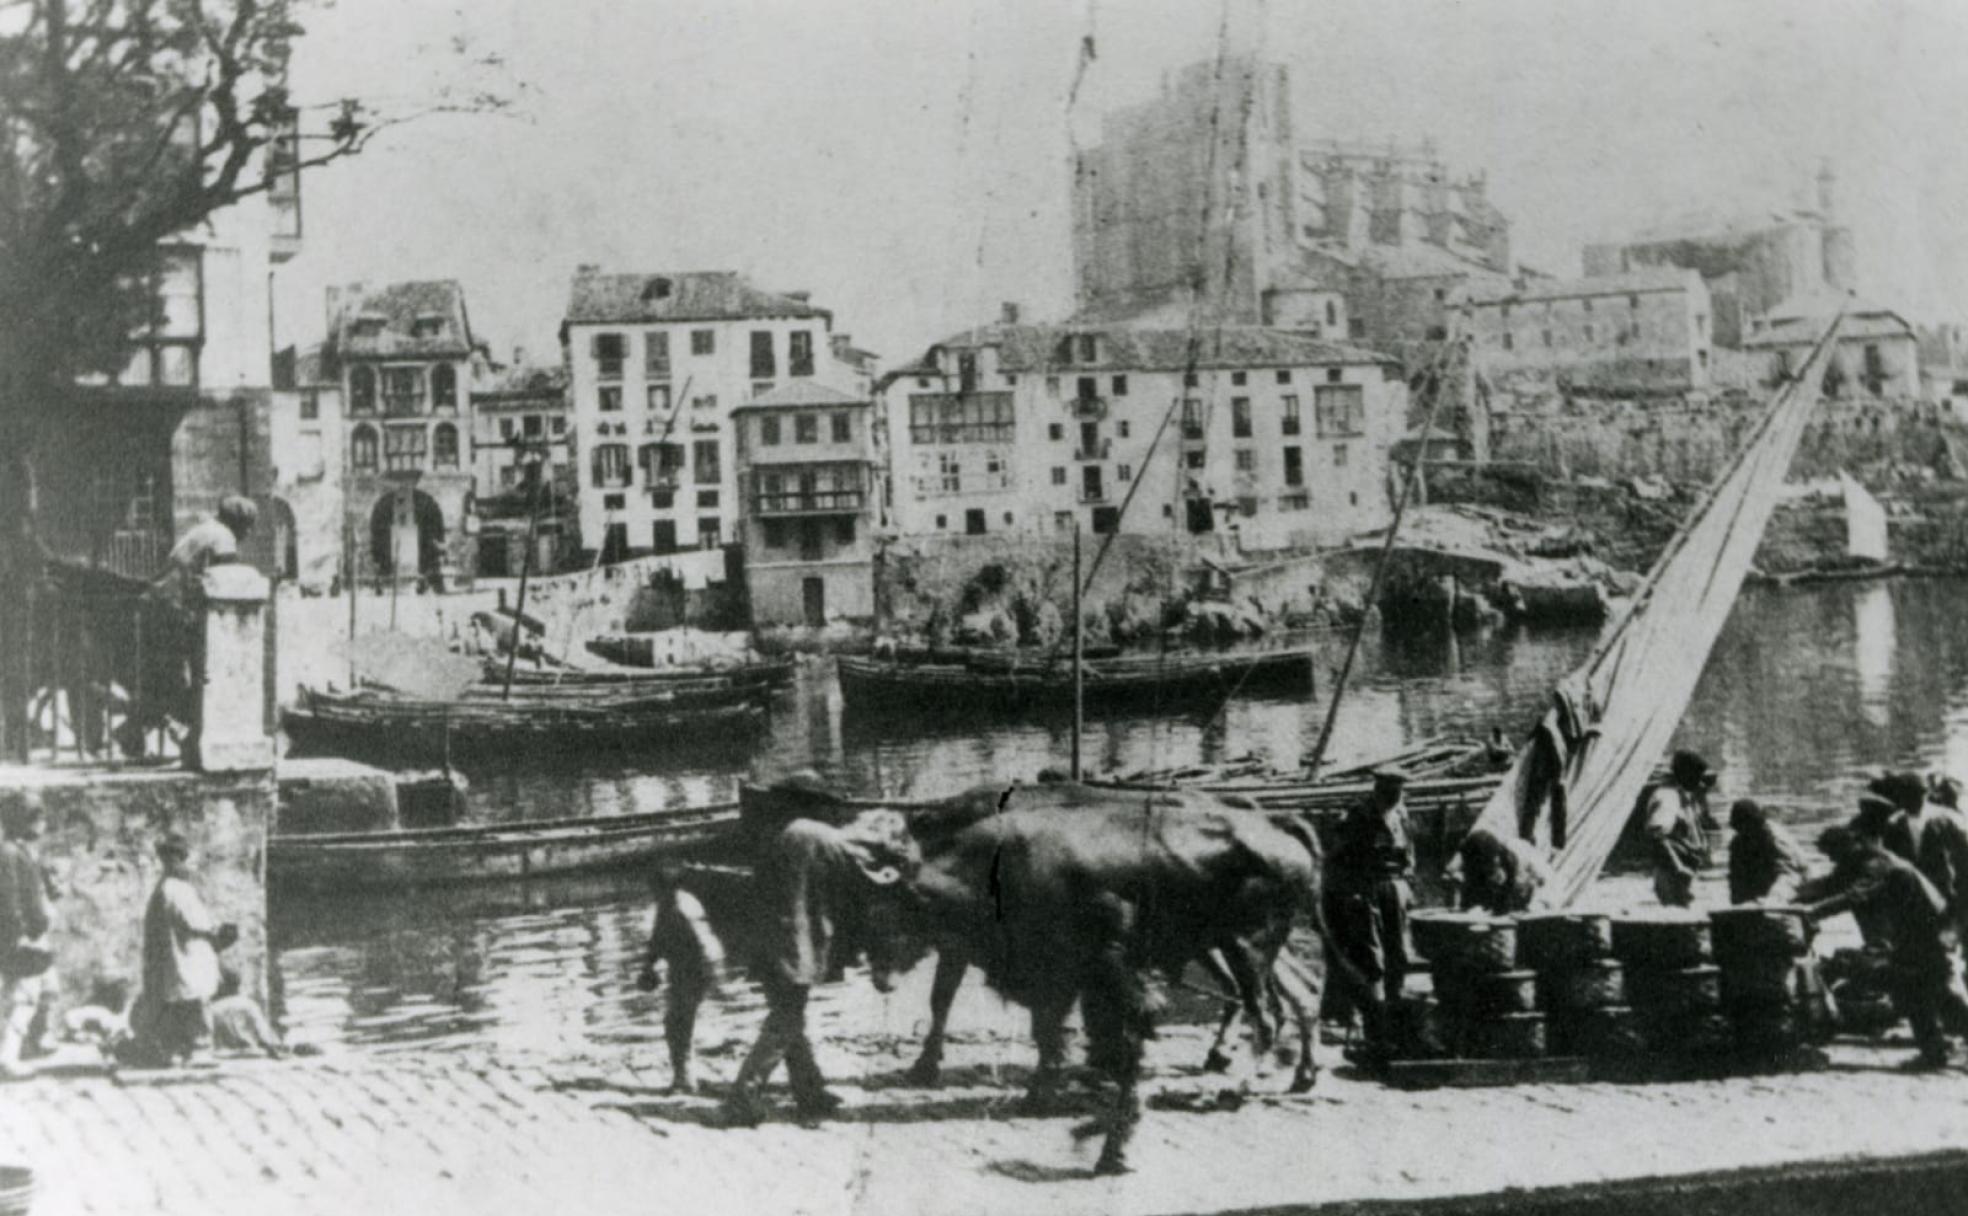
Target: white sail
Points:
(1865, 521)
(1574, 786)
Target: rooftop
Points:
(524, 381)
(801, 392)
(1122, 348)
(714, 295)
(1670, 278)
(386, 321)
(1802, 318)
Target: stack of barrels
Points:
(1483, 1005)
(1767, 984)
(1581, 984)
(1675, 988)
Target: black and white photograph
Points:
(960, 607)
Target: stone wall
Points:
(100, 844)
(1684, 440)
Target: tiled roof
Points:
(718, 295)
(1423, 261)
(1121, 348)
(1667, 278)
(398, 307)
(1716, 225)
(526, 380)
(1802, 318)
(801, 392)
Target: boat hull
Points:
(883, 685)
(493, 852)
(401, 729)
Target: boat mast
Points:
(1380, 572)
(353, 587)
(525, 570)
(1079, 652)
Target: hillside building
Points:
(810, 471)
(1276, 436)
(1641, 331)
(404, 358)
(657, 364)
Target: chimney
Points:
(1008, 313)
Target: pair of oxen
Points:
(1065, 893)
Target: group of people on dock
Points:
(187, 1000)
(1899, 866)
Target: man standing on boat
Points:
(1367, 878)
(1678, 823)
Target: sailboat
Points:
(1574, 784)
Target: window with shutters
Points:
(799, 353)
(610, 352)
(656, 355)
(1240, 417)
(703, 341)
(403, 391)
(1291, 423)
(362, 449)
(764, 365)
(806, 429)
(710, 469)
(362, 390)
(444, 387)
(444, 446)
(610, 469)
(404, 448)
(1340, 409)
(843, 428)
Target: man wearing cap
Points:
(1367, 877)
(1934, 838)
(815, 885)
(1868, 880)
(1678, 823)
(180, 960)
(1501, 875)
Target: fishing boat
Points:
(342, 825)
(763, 674)
(1007, 680)
(377, 722)
(420, 857)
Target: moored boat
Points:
(417, 857)
(1005, 680)
(374, 722)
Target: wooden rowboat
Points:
(1013, 681)
(388, 724)
(420, 857)
(765, 673)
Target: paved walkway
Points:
(430, 1133)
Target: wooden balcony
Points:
(814, 502)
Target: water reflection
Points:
(1808, 692)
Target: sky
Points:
(907, 160)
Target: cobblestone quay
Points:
(438, 1133)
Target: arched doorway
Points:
(406, 533)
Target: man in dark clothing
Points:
(25, 918)
(1678, 823)
(1925, 977)
(1497, 874)
(1368, 897)
(1936, 839)
(815, 884)
(1764, 862)
(681, 939)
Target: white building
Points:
(1274, 435)
(657, 363)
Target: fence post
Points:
(232, 733)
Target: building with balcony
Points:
(404, 359)
(809, 467)
(524, 462)
(1277, 436)
(126, 462)
(657, 363)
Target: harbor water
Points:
(1810, 690)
